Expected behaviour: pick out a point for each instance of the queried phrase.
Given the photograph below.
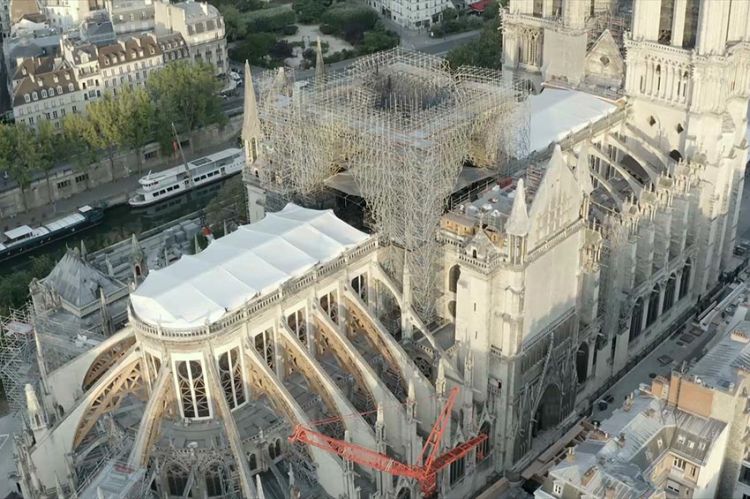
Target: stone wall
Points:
(69, 181)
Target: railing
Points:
(258, 304)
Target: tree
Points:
(49, 151)
(77, 133)
(27, 155)
(485, 51)
(137, 119)
(236, 26)
(186, 94)
(105, 130)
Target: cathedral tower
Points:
(688, 78)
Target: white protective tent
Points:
(253, 260)
(556, 113)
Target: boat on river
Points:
(157, 187)
(20, 240)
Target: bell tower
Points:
(547, 37)
(688, 79)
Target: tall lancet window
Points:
(230, 373)
(193, 394)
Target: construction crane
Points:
(425, 471)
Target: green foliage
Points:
(485, 51)
(350, 21)
(269, 20)
(456, 24)
(449, 13)
(492, 11)
(377, 40)
(310, 11)
(235, 24)
(254, 48)
(185, 94)
(14, 287)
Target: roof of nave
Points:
(557, 113)
(252, 261)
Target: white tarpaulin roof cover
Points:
(253, 260)
(556, 113)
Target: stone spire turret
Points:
(137, 260)
(320, 67)
(518, 222)
(35, 412)
(104, 314)
(251, 131)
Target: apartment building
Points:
(420, 14)
(48, 96)
(67, 14)
(201, 26)
(129, 62)
(131, 16)
(683, 437)
(173, 47)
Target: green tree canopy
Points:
(186, 94)
(486, 51)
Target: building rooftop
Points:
(252, 261)
(556, 113)
(77, 282)
(44, 86)
(719, 368)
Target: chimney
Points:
(628, 404)
(621, 440)
(571, 456)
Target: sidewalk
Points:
(112, 193)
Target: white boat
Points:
(156, 187)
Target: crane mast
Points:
(430, 461)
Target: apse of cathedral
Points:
(552, 261)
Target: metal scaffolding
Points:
(403, 124)
(17, 349)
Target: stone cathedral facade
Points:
(553, 280)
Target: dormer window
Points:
(151, 50)
(51, 92)
(55, 78)
(44, 94)
(23, 71)
(34, 96)
(27, 98)
(106, 61)
(59, 89)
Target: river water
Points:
(120, 222)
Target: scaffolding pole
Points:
(403, 124)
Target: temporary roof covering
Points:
(556, 113)
(253, 260)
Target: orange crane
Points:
(428, 464)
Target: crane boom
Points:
(354, 452)
(425, 474)
(432, 444)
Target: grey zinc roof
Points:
(719, 367)
(77, 282)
